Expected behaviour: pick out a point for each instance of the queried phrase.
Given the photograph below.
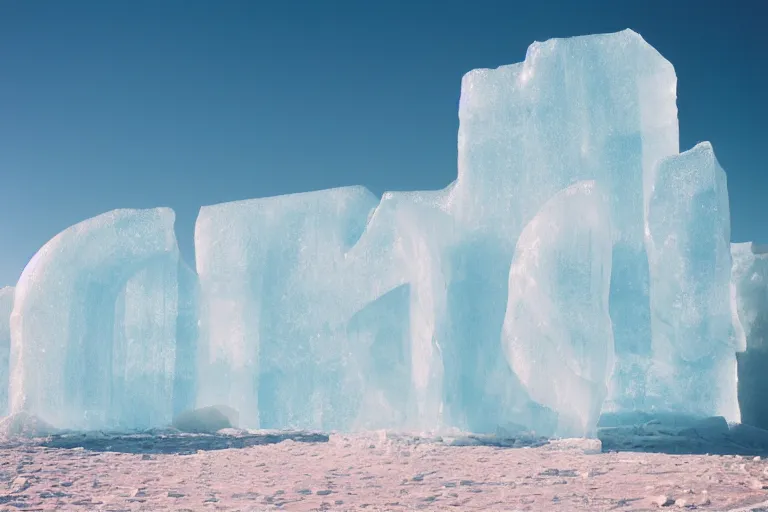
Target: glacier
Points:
(579, 265)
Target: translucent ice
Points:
(94, 324)
(6, 305)
(693, 366)
(271, 310)
(494, 302)
(282, 278)
(557, 330)
(597, 108)
(749, 281)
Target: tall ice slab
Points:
(600, 108)
(281, 278)
(688, 242)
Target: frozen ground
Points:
(376, 471)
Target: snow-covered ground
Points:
(374, 471)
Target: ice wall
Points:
(93, 328)
(495, 302)
(590, 108)
(693, 368)
(6, 305)
(557, 332)
(271, 305)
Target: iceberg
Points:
(279, 281)
(578, 264)
(693, 368)
(6, 305)
(93, 327)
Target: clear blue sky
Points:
(142, 103)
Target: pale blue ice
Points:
(596, 108)
(688, 242)
(93, 327)
(749, 295)
(534, 292)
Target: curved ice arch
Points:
(94, 322)
(557, 332)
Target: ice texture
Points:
(693, 367)
(578, 261)
(597, 108)
(187, 335)
(94, 324)
(749, 295)
(270, 305)
(557, 330)
(6, 305)
(282, 278)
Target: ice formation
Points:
(6, 305)
(530, 293)
(596, 108)
(271, 296)
(693, 368)
(93, 328)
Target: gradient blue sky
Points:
(142, 103)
